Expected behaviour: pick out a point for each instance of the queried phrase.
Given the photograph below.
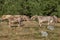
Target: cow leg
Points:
(52, 22)
(40, 24)
(19, 21)
(19, 24)
(9, 24)
(48, 23)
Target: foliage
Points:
(30, 7)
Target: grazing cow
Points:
(41, 19)
(15, 18)
(11, 19)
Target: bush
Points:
(30, 7)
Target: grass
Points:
(30, 31)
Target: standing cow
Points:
(41, 19)
(11, 19)
(15, 18)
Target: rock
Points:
(44, 33)
(50, 27)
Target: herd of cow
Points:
(51, 20)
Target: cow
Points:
(15, 18)
(11, 19)
(41, 19)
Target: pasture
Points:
(29, 31)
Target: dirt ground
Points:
(28, 31)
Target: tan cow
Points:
(15, 18)
(41, 19)
(11, 19)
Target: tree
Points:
(30, 7)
